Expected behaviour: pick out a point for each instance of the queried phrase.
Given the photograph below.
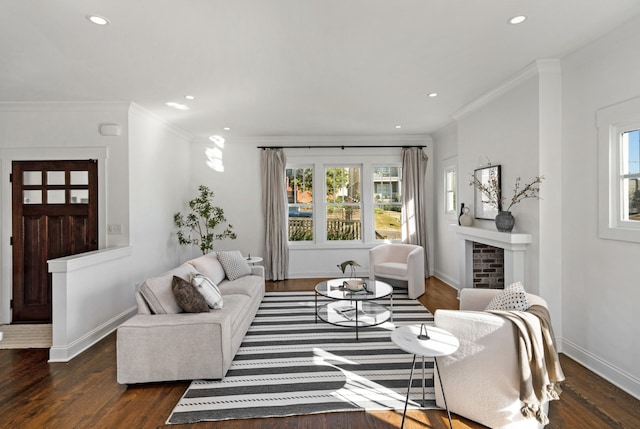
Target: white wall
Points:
(237, 190)
(445, 155)
(160, 174)
(601, 278)
(502, 129)
(546, 125)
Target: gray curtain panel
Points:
(414, 208)
(274, 208)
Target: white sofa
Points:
(399, 262)
(187, 346)
(481, 379)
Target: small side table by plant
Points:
(253, 259)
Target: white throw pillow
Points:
(513, 297)
(208, 289)
(234, 264)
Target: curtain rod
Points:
(335, 147)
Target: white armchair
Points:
(399, 262)
(481, 380)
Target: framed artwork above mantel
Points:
(490, 178)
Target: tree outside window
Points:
(300, 199)
(343, 203)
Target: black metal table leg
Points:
(406, 401)
(435, 360)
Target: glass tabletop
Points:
(336, 289)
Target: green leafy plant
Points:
(198, 226)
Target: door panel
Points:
(55, 206)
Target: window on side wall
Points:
(619, 180)
(450, 186)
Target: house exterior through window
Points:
(355, 202)
(619, 171)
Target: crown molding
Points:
(537, 68)
(64, 106)
(137, 109)
(302, 141)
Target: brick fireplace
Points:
(480, 250)
(488, 266)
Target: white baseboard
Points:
(67, 352)
(325, 275)
(604, 369)
(447, 279)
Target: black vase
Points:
(505, 221)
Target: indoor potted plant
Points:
(198, 226)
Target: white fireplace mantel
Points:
(514, 245)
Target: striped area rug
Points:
(289, 365)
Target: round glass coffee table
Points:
(354, 309)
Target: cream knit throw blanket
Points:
(540, 370)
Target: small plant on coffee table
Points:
(352, 265)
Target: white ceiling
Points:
(288, 67)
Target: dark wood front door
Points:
(55, 214)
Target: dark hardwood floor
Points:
(84, 393)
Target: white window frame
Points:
(612, 122)
(321, 228)
(451, 189)
(373, 166)
(318, 161)
(313, 186)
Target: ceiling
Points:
(288, 67)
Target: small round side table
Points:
(254, 259)
(437, 342)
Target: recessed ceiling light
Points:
(398, 127)
(226, 128)
(517, 19)
(97, 19)
(177, 105)
(433, 94)
(189, 97)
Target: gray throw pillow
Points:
(234, 264)
(189, 299)
(513, 297)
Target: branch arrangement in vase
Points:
(491, 192)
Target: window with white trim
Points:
(619, 158)
(357, 200)
(343, 205)
(300, 201)
(450, 186)
(630, 176)
(387, 202)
